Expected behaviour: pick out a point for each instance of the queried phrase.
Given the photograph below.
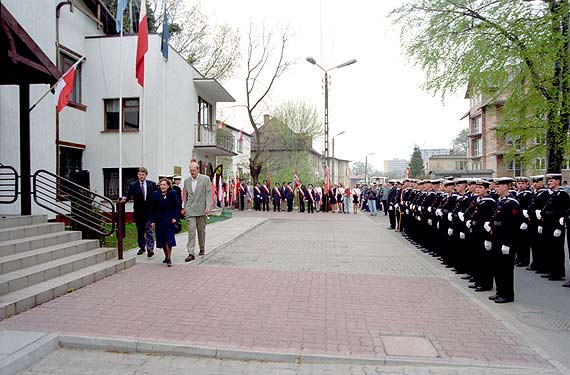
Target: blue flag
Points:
(165, 35)
(121, 5)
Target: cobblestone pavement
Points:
(325, 284)
(75, 362)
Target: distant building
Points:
(438, 166)
(395, 166)
(429, 152)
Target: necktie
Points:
(142, 189)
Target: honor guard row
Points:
(482, 228)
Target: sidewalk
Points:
(298, 287)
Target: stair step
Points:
(25, 299)
(36, 242)
(14, 233)
(17, 261)
(9, 221)
(23, 278)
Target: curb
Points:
(29, 354)
(176, 349)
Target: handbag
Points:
(177, 226)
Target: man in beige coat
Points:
(197, 204)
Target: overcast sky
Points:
(378, 101)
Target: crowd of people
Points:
(483, 228)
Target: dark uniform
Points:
(265, 196)
(525, 198)
(276, 195)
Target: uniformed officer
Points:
(525, 198)
(276, 196)
(503, 228)
(392, 204)
(541, 195)
(265, 193)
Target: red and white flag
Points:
(236, 184)
(214, 192)
(327, 181)
(241, 135)
(221, 125)
(64, 87)
(142, 44)
(228, 191)
(220, 189)
(296, 181)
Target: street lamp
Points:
(341, 133)
(326, 71)
(366, 167)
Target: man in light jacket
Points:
(197, 204)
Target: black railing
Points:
(80, 205)
(8, 184)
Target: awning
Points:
(212, 90)
(22, 61)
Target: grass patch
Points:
(130, 240)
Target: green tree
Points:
(514, 53)
(416, 163)
(459, 143)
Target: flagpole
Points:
(121, 114)
(163, 113)
(141, 126)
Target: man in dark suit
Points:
(141, 191)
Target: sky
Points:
(378, 101)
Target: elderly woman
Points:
(165, 212)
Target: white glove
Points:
(450, 216)
(419, 218)
(487, 226)
(538, 214)
(413, 206)
(488, 245)
(557, 233)
(430, 223)
(407, 211)
(461, 216)
(539, 230)
(437, 225)
(429, 209)
(525, 213)
(438, 212)
(397, 205)
(524, 226)
(561, 221)
(420, 208)
(468, 224)
(462, 235)
(505, 249)
(450, 232)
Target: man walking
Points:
(197, 204)
(141, 191)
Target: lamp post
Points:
(366, 167)
(333, 174)
(326, 71)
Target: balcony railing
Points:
(205, 136)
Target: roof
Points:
(213, 90)
(22, 61)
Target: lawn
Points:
(130, 241)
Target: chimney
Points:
(266, 119)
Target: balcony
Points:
(216, 142)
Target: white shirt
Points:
(194, 182)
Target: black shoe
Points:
(503, 300)
(481, 289)
(190, 258)
(141, 251)
(555, 278)
(165, 260)
(150, 253)
(521, 265)
(566, 285)
(493, 297)
(473, 286)
(545, 276)
(168, 262)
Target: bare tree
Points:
(266, 62)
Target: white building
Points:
(164, 126)
(429, 152)
(397, 166)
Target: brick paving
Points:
(326, 285)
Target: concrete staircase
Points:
(40, 261)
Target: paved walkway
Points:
(324, 285)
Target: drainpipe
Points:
(57, 15)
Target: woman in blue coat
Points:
(165, 212)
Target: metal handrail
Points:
(8, 184)
(74, 202)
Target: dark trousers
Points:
(276, 205)
(289, 204)
(538, 244)
(554, 254)
(523, 247)
(310, 208)
(392, 218)
(385, 206)
(145, 236)
(241, 202)
(301, 205)
(504, 272)
(265, 204)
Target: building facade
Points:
(163, 126)
(396, 166)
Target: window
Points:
(476, 125)
(476, 165)
(515, 166)
(66, 61)
(111, 181)
(540, 164)
(69, 160)
(240, 146)
(540, 139)
(204, 112)
(476, 147)
(514, 141)
(461, 165)
(130, 114)
(475, 100)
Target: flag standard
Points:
(220, 189)
(142, 44)
(64, 87)
(327, 181)
(165, 35)
(121, 5)
(296, 181)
